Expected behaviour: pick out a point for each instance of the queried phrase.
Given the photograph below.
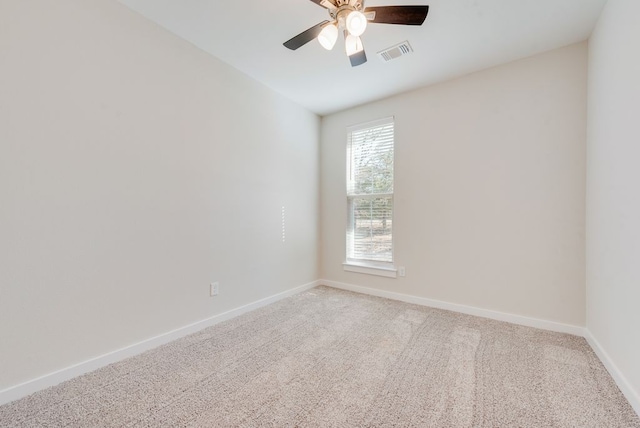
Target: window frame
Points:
(360, 265)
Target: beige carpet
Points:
(330, 358)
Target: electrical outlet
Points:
(214, 288)
(402, 271)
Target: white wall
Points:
(490, 187)
(134, 170)
(613, 190)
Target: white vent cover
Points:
(395, 51)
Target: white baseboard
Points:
(51, 379)
(469, 310)
(629, 392)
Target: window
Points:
(370, 195)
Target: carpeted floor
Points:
(330, 358)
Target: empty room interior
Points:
(323, 213)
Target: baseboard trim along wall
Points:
(631, 395)
(469, 310)
(51, 379)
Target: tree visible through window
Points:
(370, 192)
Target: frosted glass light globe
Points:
(353, 45)
(328, 36)
(356, 23)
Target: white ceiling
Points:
(458, 37)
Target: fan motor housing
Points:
(344, 7)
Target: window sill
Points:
(389, 272)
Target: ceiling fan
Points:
(351, 17)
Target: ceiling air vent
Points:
(395, 51)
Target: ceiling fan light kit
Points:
(353, 44)
(356, 23)
(352, 17)
(328, 36)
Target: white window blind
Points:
(370, 192)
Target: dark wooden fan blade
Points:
(403, 15)
(358, 58)
(305, 37)
(327, 4)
